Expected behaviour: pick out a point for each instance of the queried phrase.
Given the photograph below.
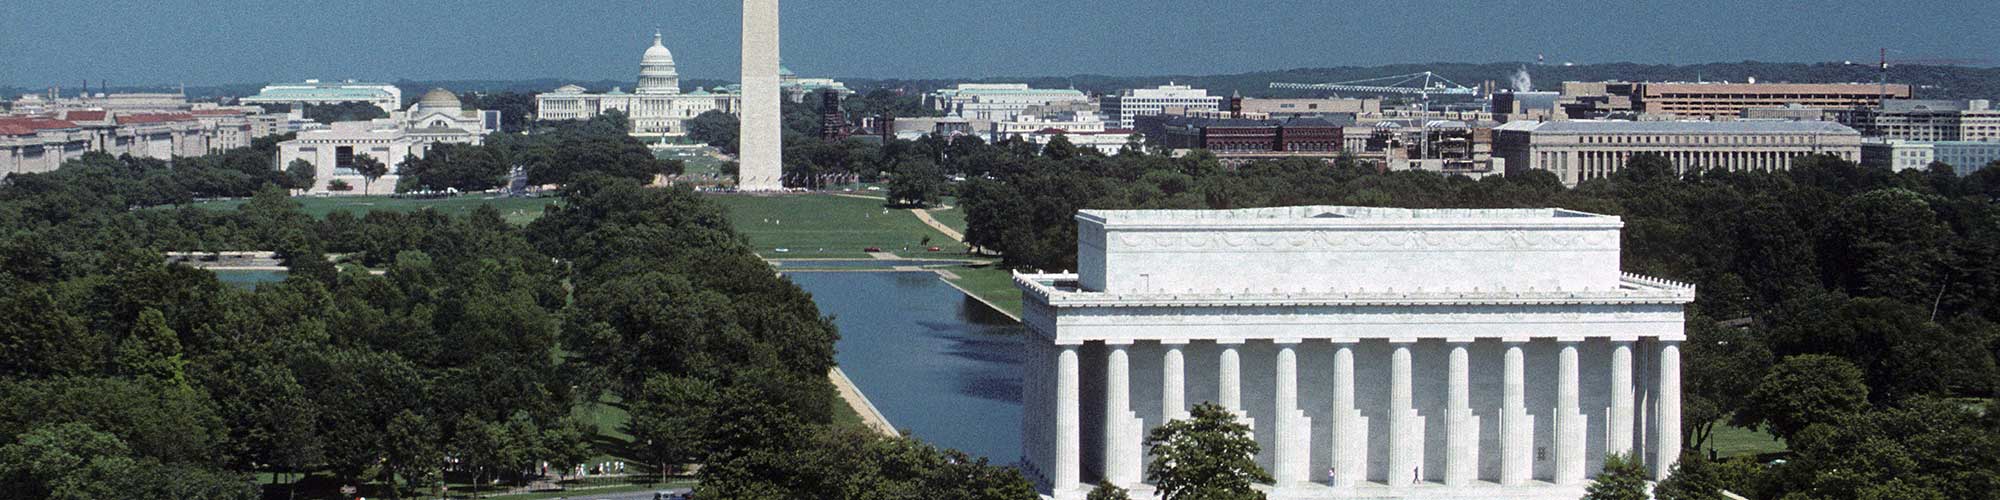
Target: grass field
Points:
(992, 283)
(1737, 441)
(516, 210)
(827, 226)
(953, 217)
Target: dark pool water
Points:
(938, 363)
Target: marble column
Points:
(1570, 424)
(1668, 449)
(1292, 432)
(1121, 426)
(1230, 391)
(1350, 429)
(1406, 427)
(1619, 435)
(1517, 427)
(1173, 384)
(1461, 465)
(1069, 423)
(1231, 379)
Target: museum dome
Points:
(657, 74)
(439, 99)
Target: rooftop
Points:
(1063, 290)
(1342, 215)
(1680, 127)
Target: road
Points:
(630, 495)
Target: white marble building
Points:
(439, 117)
(1377, 353)
(656, 108)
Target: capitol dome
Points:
(657, 74)
(439, 99)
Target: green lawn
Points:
(992, 283)
(828, 226)
(954, 217)
(1736, 441)
(516, 210)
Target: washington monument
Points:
(762, 159)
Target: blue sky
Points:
(132, 42)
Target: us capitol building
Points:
(657, 107)
(1375, 352)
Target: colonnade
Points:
(1291, 432)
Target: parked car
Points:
(872, 249)
(934, 249)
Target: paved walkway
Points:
(925, 215)
(870, 416)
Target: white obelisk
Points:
(762, 136)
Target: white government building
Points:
(439, 117)
(1376, 352)
(657, 107)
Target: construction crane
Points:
(1421, 84)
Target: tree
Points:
(917, 183)
(300, 174)
(1804, 390)
(1105, 491)
(1623, 478)
(154, 350)
(670, 421)
(718, 129)
(1209, 456)
(343, 112)
(413, 454)
(1722, 367)
(370, 169)
(1692, 478)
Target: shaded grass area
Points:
(1737, 441)
(515, 210)
(828, 226)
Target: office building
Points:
(1581, 150)
(1120, 110)
(998, 101)
(315, 92)
(1715, 101)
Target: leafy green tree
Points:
(670, 421)
(1928, 448)
(917, 183)
(370, 170)
(343, 112)
(1804, 390)
(154, 350)
(1623, 478)
(716, 128)
(1105, 491)
(1693, 478)
(300, 174)
(1207, 456)
(1722, 367)
(412, 453)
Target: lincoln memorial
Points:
(1375, 352)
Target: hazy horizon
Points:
(168, 42)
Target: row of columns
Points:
(1600, 164)
(1291, 432)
